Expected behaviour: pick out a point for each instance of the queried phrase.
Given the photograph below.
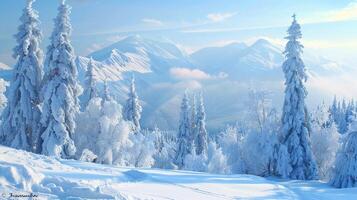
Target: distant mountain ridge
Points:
(160, 91)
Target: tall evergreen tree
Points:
(184, 142)
(295, 120)
(90, 90)
(22, 114)
(132, 109)
(201, 132)
(60, 90)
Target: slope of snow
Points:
(136, 52)
(24, 173)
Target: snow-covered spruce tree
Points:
(200, 129)
(60, 90)
(132, 109)
(22, 114)
(295, 118)
(193, 119)
(184, 143)
(90, 90)
(345, 172)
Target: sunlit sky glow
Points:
(329, 26)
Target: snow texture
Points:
(49, 178)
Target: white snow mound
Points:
(25, 173)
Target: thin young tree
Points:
(201, 132)
(184, 144)
(133, 109)
(90, 90)
(60, 90)
(295, 121)
(22, 114)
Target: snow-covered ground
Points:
(22, 173)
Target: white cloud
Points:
(347, 13)
(234, 29)
(182, 73)
(328, 44)
(191, 74)
(218, 17)
(154, 22)
(343, 85)
(4, 66)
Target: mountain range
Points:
(225, 74)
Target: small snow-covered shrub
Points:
(142, 150)
(258, 149)
(195, 162)
(230, 142)
(214, 162)
(325, 144)
(113, 136)
(102, 130)
(88, 127)
(217, 162)
(88, 156)
(325, 141)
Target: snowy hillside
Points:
(51, 178)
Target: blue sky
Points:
(329, 26)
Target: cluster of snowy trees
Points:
(194, 150)
(343, 113)
(43, 111)
(44, 115)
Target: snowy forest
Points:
(48, 111)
